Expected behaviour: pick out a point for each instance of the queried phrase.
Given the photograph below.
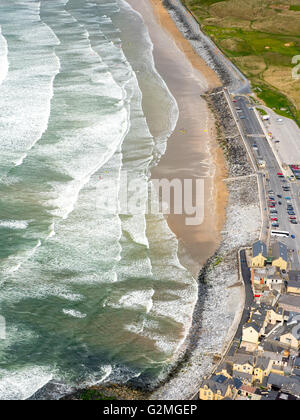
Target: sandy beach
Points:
(192, 150)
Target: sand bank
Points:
(192, 150)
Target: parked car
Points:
(294, 222)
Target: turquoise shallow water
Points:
(87, 294)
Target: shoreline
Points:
(219, 293)
(192, 150)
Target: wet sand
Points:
(192, 150)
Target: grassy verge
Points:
(277, 101)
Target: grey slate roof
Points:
(241, 359)
(225, 366)
(243, 376)
(253, 325)
(285, 383)
(294, 275)
(221, 383)
(262, 363)
(290, 300)
(279, 250)
(259, 247)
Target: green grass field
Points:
(261, 37)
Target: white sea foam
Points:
(96, 100)
(23, 383)
(3, 58)
(74, 297)
(137, 299)
(14, 224)
(27, 91)
(73, 313)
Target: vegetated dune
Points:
(261, 38)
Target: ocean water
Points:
(89, 293)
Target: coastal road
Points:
(261, 149)
(246, 275)
(245, 270)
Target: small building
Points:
(249, 392)
(259, 254)
(279, 255)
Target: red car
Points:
(271, 205)
(293, 217)
(279, 173)
(274, 219)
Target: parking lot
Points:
(281, 195)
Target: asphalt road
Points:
(248, 303)
(255, 135)
(248, 293)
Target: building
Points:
(288, 384)
(291, 336)
(218, 387)
(249, 392)
(262, 369)
(259, 254)
(243, 364)
(251, 333)
(279, 255)
(224, 369)
(290, 303)
(275, 315)
(279, 360)
(294, 282)
(268, 276)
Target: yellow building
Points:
(291, 339)
(251, 333)
(279, 255)
(243, 363)
(262, 369)
(217, 387)
(259, 254)
(275, 316)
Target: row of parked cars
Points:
(272, 204)
(273, 211)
